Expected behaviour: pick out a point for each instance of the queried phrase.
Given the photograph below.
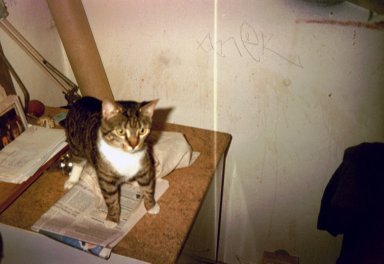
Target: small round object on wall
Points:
(35, 108)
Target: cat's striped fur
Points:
(111, 137)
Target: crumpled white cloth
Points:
(171, 151)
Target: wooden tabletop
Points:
(156, 239)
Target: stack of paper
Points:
(21, 158)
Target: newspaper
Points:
(21, 158)
(78, 218)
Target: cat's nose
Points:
(133, 142)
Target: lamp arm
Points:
(54, 73)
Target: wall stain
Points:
(347, 23)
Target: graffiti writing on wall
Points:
(250, 43)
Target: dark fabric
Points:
(353, 204)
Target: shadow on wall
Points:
(160, 117)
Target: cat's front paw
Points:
(110, 224)
(155, 209)
(135, 184)
(68, 184)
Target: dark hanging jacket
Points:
(353, 205)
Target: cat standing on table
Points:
(110, 136)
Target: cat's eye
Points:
(142, 131)
(120, 131)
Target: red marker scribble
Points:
(376, 25)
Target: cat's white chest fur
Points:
(125, 163)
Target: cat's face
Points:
(126, 125)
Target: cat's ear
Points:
(110, 109)
(149, 108)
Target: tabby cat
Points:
(111, 137)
